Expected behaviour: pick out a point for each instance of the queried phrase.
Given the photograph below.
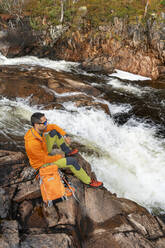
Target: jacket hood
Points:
(32, 133)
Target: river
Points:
(130, 142)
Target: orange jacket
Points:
(36, 149)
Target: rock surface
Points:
(96, 219)
(41, 85)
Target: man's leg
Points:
(73, 165)
(69, 162)
(54, 137)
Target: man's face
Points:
(42, 125)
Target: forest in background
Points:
(44, 13)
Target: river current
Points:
(130, 142)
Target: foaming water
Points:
(124, 108)
(131, 161)
(128, 76)
(61, 65)
(128, 87)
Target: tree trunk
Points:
(62, 11)
(146, 8)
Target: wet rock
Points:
(42, 85)
(53, 106)
(92, 104)
(82, 100)
(65, 83)
(26, 87)
(74, 98)
(10, 233)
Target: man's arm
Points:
(37, 156)
(60, 130)
(57, 128)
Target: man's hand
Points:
(67, 140)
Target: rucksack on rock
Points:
(52, 186)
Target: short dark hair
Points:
(35, 118)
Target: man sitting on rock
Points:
(39, 141)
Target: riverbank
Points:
(134, 47)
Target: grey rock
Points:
(4, 204)
(10, 233)
(28, 190)
(48, 240)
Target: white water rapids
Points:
(132, 161)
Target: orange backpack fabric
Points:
(51, 185)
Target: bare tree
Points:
(62, 10)
(146, 7)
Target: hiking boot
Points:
(72, 153)
(95, 184)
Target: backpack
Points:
(52, 185)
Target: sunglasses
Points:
(43, 123)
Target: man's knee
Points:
(53, 133)
(73, 161)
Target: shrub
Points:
(162, 2)
(13, 7)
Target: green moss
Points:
(162, 2)
(34, 23)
